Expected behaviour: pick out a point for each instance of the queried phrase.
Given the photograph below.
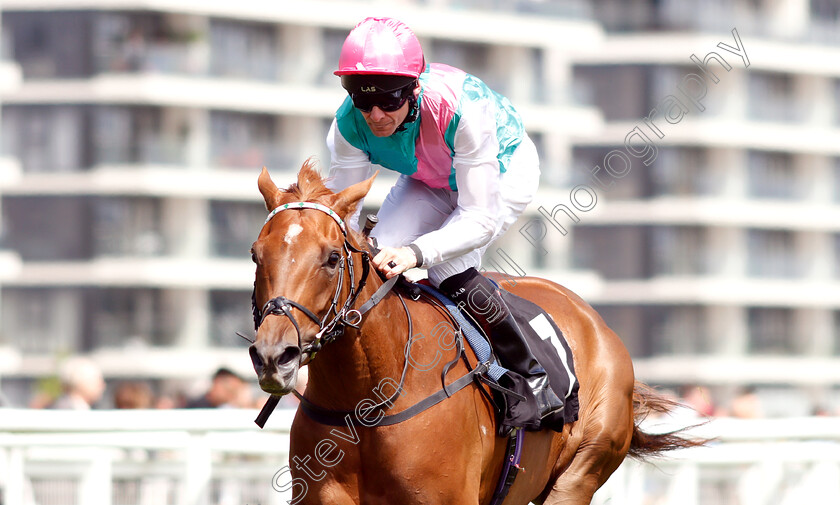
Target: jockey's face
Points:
(384, 124)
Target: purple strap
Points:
(511, 468)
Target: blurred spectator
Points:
(820, 411)
(133, 395)
(166, 402)
(226, 390)
(746, 404)
(82, 384)
(699, 399)
(47, 389)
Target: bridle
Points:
(344, 316)
(348, 316)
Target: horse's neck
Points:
(348, 369)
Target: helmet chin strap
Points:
(413, 112)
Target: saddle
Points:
(514, 400)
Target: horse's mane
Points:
(310, 186)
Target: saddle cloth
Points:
(546, 343)
(549, 346)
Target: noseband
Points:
(345, 316)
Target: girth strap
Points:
(513, 456)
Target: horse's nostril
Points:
(256, 360)
(289, 354)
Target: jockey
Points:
(468, 171)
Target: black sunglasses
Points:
(389, 101)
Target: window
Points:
(825, 10)
(332, 41)
(141, 42)
(243, 50)
(47, 229)
(658, 330)
(241, 140)
(771, 253)
(235, 226)
(48, 45)
(836, 176)
(231, 312)
(117, 316)
(634, 184)
(622, 93)
(678, 250)
(772, 175)
(538, 85)
(837, 101)
(45, 138)
(676, 330)
(35, 320)
(628, 323)
(836, 339)
(553, 173)
(127, 227)
(616, 252)
(680, 171)
(836, 238)
(471, 57)
(135, 135)
(771, 97)
(771, 331)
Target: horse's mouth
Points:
(280, 382)
(277, 368)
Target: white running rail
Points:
(793, 461)
(141, 457)
(219, 457)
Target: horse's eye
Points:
(333, 259)
(253, 256)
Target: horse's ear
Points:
(270, 192)
(345, 202)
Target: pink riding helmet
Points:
(381, 46)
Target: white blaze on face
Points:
(294, 231)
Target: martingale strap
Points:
(349, 417)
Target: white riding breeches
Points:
(413, 209)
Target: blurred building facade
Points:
(719, 250)
(131, 146)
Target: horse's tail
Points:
(643, 445)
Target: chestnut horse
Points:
(450, 453)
